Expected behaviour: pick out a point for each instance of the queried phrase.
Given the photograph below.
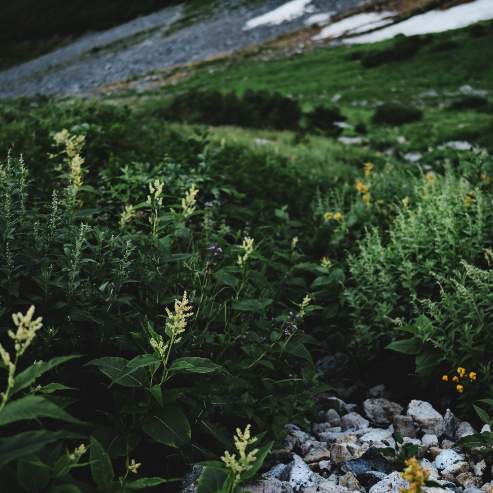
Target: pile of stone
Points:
(344, 451)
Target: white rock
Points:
(451, 472)
(479, 468)
(300, 475)
(332, 417)
(354, 421)
(268, 486)
(381, 411)
(463, 430)
(430, 420)
(432, 470)
(429, 440)
(391, 484)
(447, 458)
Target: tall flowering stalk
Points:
(189, 202)
(248, 246)
(26, 328)
(155, 202)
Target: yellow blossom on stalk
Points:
(155, 192)
(361, 187)
(127, 215)
(189, 202)
(416, 475)
(247, 246)
(473, 376)
(304, 305)
(366, 198)
(243, 462)
(368, 168)
(159, 346)
(430, 177)
(461, 371)
(325, 262)
(455, 378)
(176, 322)
(294, 242)
(134, 466)
(336, 216)
(77, 453)
(460, 388)
(26, 329)
(469, 199)
(445, 378)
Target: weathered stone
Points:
(300, 475)
(447, 458)
(453, 470)
(428, 419)
(432, 470)
(268, 486)
(371, 460)
(326, 487)
(368, 479)
(450, 423)
(472, 489)
(404, 426)
(317, 453)
(275, 472)
(479, 468)
(447, 444)
(318, 428)
(381, 411)
(332, 402)
(340, 452)
(332, 417)
(350, 481)
(300, 435)
(429, 440)
(463, 430)
(354, 421)
(393, 483)
(377, 391)
(468, 479)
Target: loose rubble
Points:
(353, 449)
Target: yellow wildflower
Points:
(242, 463)
(460, 388)
(469, 199)
(134, 466)
(247, 246)
(461, 371)
(430, 177)
(304, 305)
(127, 215)
(416, 475)
(473, 376)
(455, 378)
(445, 378)
(325, 262)
(176, 322)
(361, 187)
(366, 198)
(368, 168)
(189, 202)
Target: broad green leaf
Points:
(65, 488)
(483, 415)
(406, 346)
(143, 360)
(101, 467)
(168, 426)
(226, 278)
(116, 369)
(33, 475)
(25, 378)
(142, 483)
(212, 480)
(252, 305)
(27, 443)
(426, 362)
(34, 407)
(194, 364)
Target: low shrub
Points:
(402, 48)
(469, 102)
(396, 114)
(322, 119)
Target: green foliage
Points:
(402, 48)
(396, 114)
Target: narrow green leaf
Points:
(101, 467)
(194, 364)
(168, 426)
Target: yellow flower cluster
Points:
(177, 320)
(333, 216)
(26, 328)
(155, 196)
(243, 462)
(304, 305)
(416, 475)
(363, 190)
(368, 167)
(77, 453)
(326, 263)
(460, 377)
(247, 246)
(73, 146)
(469, 199)
(127, 215)
(133, 466)
(189, 202)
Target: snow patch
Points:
(286, 12)
(321, 18)
(356, 24)
(434, 21)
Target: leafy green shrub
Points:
(256, 109)
(396, 114)
(409, 280)
(470, 102)
(323, 119)
(402, 48)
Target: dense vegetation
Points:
(189, 278)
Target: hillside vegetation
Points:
(195, 251)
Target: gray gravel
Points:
(144, 45)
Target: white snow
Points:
(355, 24)
(321, 18)
(434, 21)
(286, 12)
